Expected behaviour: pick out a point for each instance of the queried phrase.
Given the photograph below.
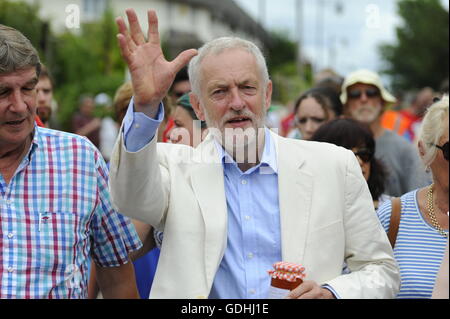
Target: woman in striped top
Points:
(423, 230)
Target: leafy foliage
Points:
(86, 63)
(282, 64)
(421, 56)
(22, 16)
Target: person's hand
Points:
(151, 74)
(310, 290)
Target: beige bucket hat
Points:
(366, 77)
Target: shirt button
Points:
(10, 235)
(247, 217)
(252, 291)
(250, 255)
(137, 126)
(10, 269)
(244, 182)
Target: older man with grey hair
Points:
(55, 210)
(245, 198)
(365, 99)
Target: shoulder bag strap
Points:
(395, 220)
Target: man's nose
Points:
(310, 126)
(18, 102)
(40, 97)
(236, 103)
(363, 96)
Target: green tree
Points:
(87, 62)
(420, 56)
(282, 64)
(281, 51)
(84, 62)
(23, 16)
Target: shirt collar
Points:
(35, 142)
(268, 159)
(34, 145)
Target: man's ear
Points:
(268, 97)
(195, 102)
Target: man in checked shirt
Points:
(55, 209)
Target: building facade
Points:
(182, 23)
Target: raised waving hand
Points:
(151, 74)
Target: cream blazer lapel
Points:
(295, 189)
(208, 184)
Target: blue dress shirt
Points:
(254, 233)
(139, 129)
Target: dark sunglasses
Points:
(444, 149)
(356, 94)
(364, 154)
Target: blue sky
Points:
(344, 41)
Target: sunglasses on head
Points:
(364, 154)
(444, 149)
(356, 93)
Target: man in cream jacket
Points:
(245, 198)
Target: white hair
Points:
(216, 47)
(432, 128)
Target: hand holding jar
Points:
(288, 282)
(285, 278)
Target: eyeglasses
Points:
(364, 154)
(356, 94)
(444, 149)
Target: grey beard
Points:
(242, 145)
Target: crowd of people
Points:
(198, 197)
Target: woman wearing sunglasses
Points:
(422, 232)
(357, 137)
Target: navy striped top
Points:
(419, 248)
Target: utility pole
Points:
(320, 11)
(299, 31)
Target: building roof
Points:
(234, 15)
